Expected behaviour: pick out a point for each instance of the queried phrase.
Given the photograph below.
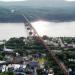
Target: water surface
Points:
(53, 29)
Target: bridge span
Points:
(33, 33)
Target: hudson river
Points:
(53, 29)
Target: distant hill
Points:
(47, 13)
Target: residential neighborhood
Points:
(33, 61)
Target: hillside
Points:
(49, 14)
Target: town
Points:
(26, 56)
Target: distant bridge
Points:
(33, 33)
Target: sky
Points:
(12, 0)
(35, 0)
(70, 0)
(39, 3)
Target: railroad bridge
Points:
(33, 33)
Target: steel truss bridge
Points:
(33, 33)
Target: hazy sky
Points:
(37, 0)
(41, 3)
(11, 0)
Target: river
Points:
(53, 29)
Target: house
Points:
(33, 64)
(8, 50)
(51, 72)
(2, 62)
(3, 66)
(17, 60)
